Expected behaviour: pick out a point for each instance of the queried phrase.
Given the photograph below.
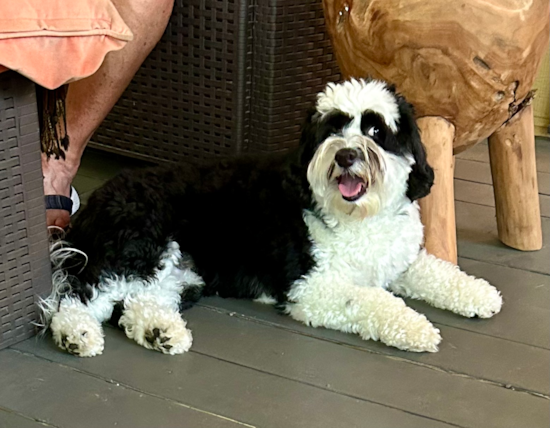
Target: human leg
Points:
(89, 100)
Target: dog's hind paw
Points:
(76, 331)
(157, 328)
(174, 340)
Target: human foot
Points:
(61, 199)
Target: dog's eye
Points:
(372, 125)
(372, 131)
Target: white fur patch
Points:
(167, 286)
(371, 252)
(354, 97)
(355, 261)
(331, 301)
(444, 285)
(154, 325)
(75, 330)
(149, 307)
(265, 299)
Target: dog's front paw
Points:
(76, 331)
(478, 298)
(156, 328)
(172, 339)
(407, 330)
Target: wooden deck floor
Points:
(250, 366)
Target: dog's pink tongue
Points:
(349, 186)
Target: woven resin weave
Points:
(24, 257)
(227, 77)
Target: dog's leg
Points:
(155, 325)
(76, 326)
(372, 312)
(444, 285)
(151, 315)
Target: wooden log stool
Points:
(468, 68)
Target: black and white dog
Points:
(329, 232)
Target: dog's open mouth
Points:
(351, 187)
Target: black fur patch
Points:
(316, 130)
(332, 124)
(406, 141)
(189, 297)
(373, 123)
(421, 177)
(241, 220)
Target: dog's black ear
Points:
(308, 138)
(421, 177)
(309, 128)
(392, 88)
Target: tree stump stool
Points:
(468, 68)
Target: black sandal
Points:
(60, 202)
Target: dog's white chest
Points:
(370, 252)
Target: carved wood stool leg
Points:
(438, 208)
(514, 170)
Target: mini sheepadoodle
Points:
(330, 233)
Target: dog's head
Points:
(363, 150)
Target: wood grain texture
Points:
(482, 194)
(66, 398)
(438, 208)
(514, 171)
(472, 62)
(198, 381)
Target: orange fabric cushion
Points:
(54, 42)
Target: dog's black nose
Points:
(346, 157)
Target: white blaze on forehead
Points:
(354, 97)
